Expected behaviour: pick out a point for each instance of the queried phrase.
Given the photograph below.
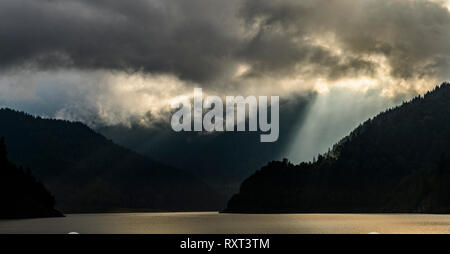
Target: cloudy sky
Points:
(114, 62)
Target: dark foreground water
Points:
(204, 223)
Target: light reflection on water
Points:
(211, 222)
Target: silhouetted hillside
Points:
(88, 173)
(21, 196)
(398, 161)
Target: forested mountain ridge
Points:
(398, 161)
(21, 195)
(88, 173)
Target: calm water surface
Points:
(211, 222)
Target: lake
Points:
(213, 222)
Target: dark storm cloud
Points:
(186, 38)
(203, 40)
(412, 35)
(282, 54)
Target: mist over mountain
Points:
(89, 173)
(309, 124)
(221, 159)
(397, 161)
